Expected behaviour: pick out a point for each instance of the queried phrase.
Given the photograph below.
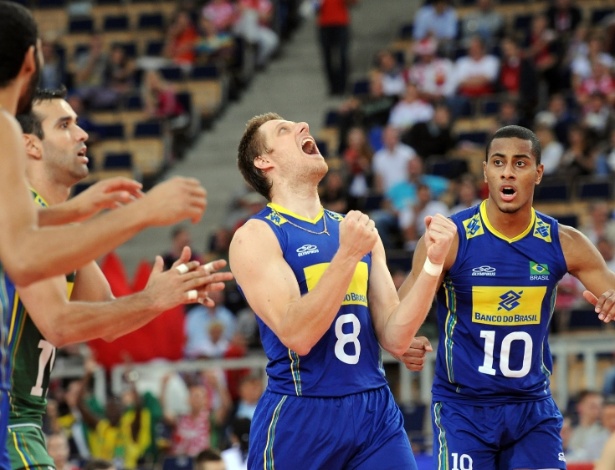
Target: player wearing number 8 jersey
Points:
(492, 406)
(351, 340)
(325, 303)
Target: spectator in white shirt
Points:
(436, 19)
(477, 71)
(391, 74)
(552, 150)
(432, 74)
(410, 110)
(475, 75)
(390, 164)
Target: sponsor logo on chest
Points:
(307, 250)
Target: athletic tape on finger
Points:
(182, 268)
(209, 268)
(192, 294)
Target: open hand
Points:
(604, 305)
(109, 193)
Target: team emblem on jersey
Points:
(539, 272)
(542, 230)
(510, 300)
(507, 305)
(334, 216)
(276, 218)
(473, 226)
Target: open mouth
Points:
(508, 192)
(83, 153)
(309, 146)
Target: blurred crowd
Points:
(227, 40)
(404, 140)
(399, 147)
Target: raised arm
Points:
(397, 319)
(585, 262)
(93, 313)
(110, 193)
(271, 288)
(29, 253)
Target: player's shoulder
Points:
(8, 123)
(571, 239)
(568, 233)
(253, 233)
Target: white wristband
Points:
(432, 269)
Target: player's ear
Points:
(539, 172)
(34, 146)
(262, 163)
(28, 66)
(485, 172)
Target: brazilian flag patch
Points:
(537, 269)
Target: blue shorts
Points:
(360, 431)
(502, 437)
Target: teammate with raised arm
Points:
(492, 405)
(29, 253)
(46, 314)
(325, 303)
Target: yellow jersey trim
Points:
(491, 228)
(281, 210)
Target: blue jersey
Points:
(347, 359)
(6, 295)
(494, 309)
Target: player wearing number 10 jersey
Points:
(492, 406)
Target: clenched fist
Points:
(358, 234)
(439, 236)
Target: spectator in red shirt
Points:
(601, 81)
(544, 50)
(518, 77)
(192, 432)
(334, 36)
(181, 40)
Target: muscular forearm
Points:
(404, 322)
(310, 316)
(61, 214)
(83, 321)
(32, 254)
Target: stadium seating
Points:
(593, 188)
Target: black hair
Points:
(18, 32)
(518, 132)
(30, 121)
